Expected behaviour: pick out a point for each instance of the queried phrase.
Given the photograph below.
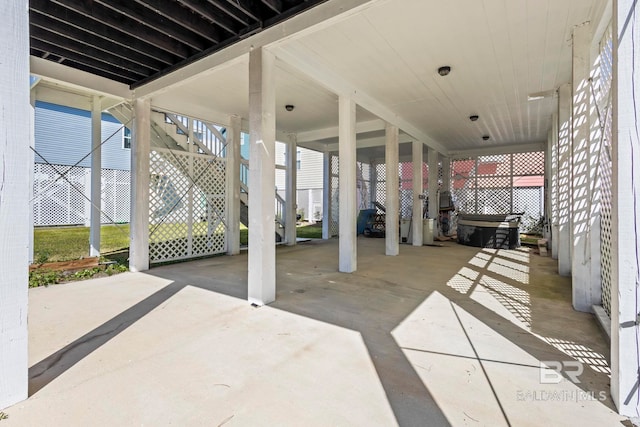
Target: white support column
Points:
(446, 174)
(625, 298)
(192, 149)
(347, 176)
(15, 139)
(546, 231)
(262, 169)
(233, 185)
(434, 204)
(291, 191)
(392, 217)
(140, 148)
(32, 119)
(373, 182)
(416, 223)
(326, 195)
(553, 182)
(564, 180)
(586, 288)
(96, 176)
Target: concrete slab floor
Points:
(447, 335)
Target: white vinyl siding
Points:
(63, 137)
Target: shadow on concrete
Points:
(372, 301)
(48, 369)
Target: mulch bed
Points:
(67, 266)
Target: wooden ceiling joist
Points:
(132, 41)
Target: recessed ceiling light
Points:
(486, 137)
(444, 70)
(289, 107)
(474, 117)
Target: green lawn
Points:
(67, 243)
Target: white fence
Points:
(65, 201)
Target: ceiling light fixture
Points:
(289, 107)
(444, 71)
(474, 117)
(541, 95)
(486, 137)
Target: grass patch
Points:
(310, 231)
(68, 243)
(42, 277)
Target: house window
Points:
(126, 138)
(298, 160)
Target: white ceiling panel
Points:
(499, 50)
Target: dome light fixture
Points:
(444, 70)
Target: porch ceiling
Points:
(386, 52)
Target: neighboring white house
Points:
(309, 181)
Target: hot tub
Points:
(489, 231)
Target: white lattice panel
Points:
(335, 193)
(603, 101)
(499, 184)
(363, 193)
(116, 196)
(187, 205)
(60, 202)
(381, 184)
(406, 189)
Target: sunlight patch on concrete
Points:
(463, 280)
(461, 359)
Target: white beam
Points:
(416, 223)
(498, 149)
(96, 176)
(311, 67)
(262, 123)
(347, 175)
(373, 142)
(46, 93)
(140, 148)
(291, 189)
(585, 273)
(392, 217)
(553, 183)
(564, 179)
(233, 185)
(434, 204)
(15, 138)
(625, 299)
(332, 132)
(81, 80)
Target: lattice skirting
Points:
(59, 201)
(187, 205)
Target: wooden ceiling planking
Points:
(133, 41)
